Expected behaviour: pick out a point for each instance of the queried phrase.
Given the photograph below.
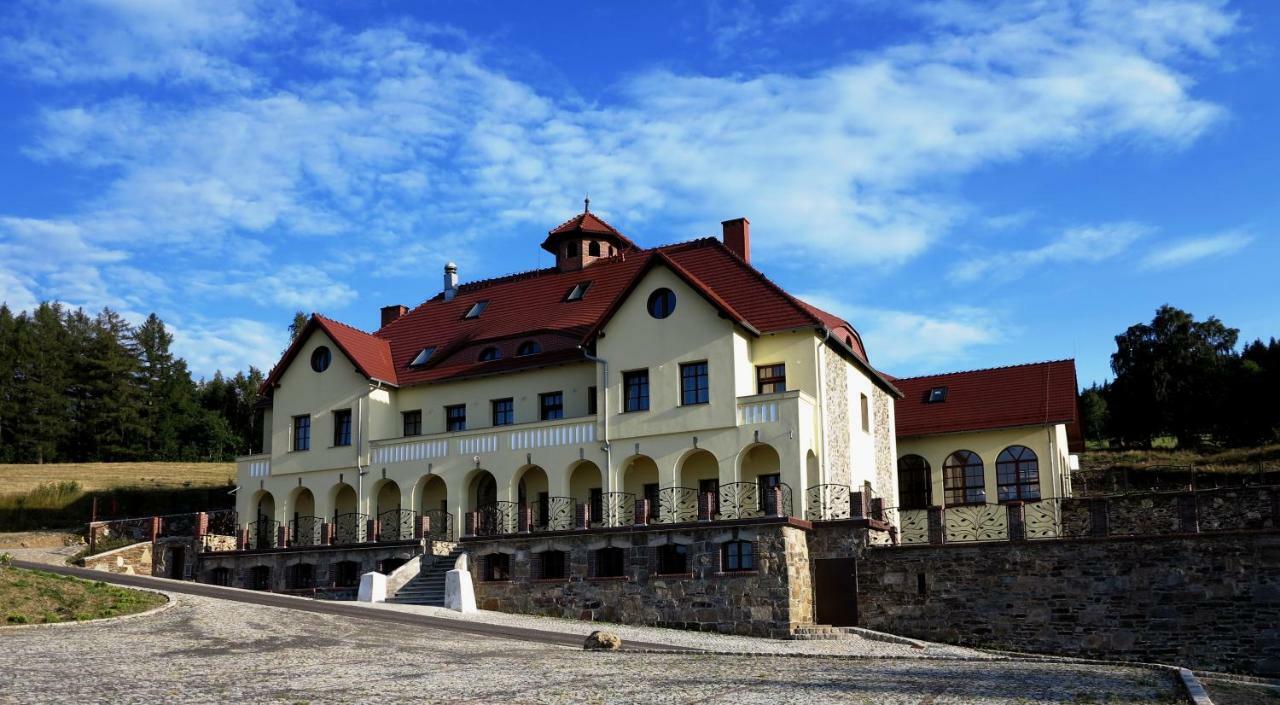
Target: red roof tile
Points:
(531, 305)
(370, 355)
(1035, 394)
(590, 224)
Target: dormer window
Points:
(937, 395)
(489, 354)
(529, 347)
(578, 291)
(422, 357)
(476, 309)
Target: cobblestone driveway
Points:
(208, 650)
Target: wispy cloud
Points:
(1183, 252)
(1094, 243)
(386, 141)
(907, 342)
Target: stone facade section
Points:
(768, 601)
(1205, 602)
(134, 559)
(326, 573)
(835, 399)
(886, 470)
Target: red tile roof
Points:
(590, 224)
(1035, 394)
(531, 306)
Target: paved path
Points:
(208, 650)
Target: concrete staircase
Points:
(427, 587)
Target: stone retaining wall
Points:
(1208, 601)
(367, 557)
(134, 559)
(768, 601)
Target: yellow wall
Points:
(1048, 442)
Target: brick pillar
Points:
(1188, 518)
(1017, 513)
(372, 531)
(242, 538)
(582, 516)
(857, 505)
(877, 509)
(469, 524)
(775, 499)
(706, 500)
(156, 524)
(1098, 522)
(202, 526)
(526, 519)
(642, 512)
(282, 536)
(422, 528)
(326, 534)
(937, 532)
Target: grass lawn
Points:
(37, 597)
(18, 479)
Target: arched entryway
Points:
(760, 488)
(533, 493)
(263, 528)
(433, 504)
(304, 525)
(493, 515)
(394, 522)
(699, 473)
(348, 523)
(586, 487)
(640, 478)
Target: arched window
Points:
(571, 248)
(1018, 474)
(346, 574)
(220, 576)
(593, 248)
(963, 479)
(609, 562)
(299, 576)
(529, 347)
(260, 577)
(495, 566)
(914, 482)
(489, 354)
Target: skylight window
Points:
(936, 395)
(476, 309)
(578, 291)
(422, 357)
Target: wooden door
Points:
(835, 588)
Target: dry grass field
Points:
(20, 479)
(1231, 460)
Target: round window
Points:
(321, 358)
(661, 303)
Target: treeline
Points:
(1182, 378)
(81, 388)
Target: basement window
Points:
(936, 395)
(422, 357)
(476, 309)
(578, 291)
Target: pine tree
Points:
(8, 364)
(165, 392)
(113, 415)
(42, 384)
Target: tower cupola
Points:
(583, 239)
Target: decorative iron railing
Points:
(349, 528)
(137, 528)
(497, 518)
(750, 500)
(615, 509)
(305, 530)
(264, 533)
(826, 502)
(676, 505)
(976, 522)
(441, 525)
(553, 514)
(912, 523)
(1042, 519)
(176, 525)
(396, 524)
(222, 522)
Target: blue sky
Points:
(971, 184)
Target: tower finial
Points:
(586, 204)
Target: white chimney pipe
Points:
(450, 281)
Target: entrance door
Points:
(836, 591)
(177, 561)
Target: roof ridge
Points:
(796, 303)
(583, 216)
(335, 321)
(989, 369)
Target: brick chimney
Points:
(391, 313)
(737, 237)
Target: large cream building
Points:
(677, 374)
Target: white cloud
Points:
(1177, 254)
(1094, 243)
(905, 342)
(386, 143)
(227, 344)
